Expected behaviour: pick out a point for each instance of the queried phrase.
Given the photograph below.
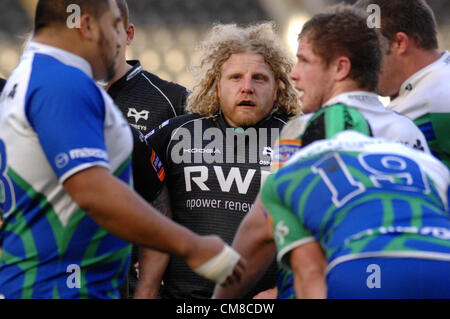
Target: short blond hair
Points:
(227, 39)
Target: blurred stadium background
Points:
(168, 31)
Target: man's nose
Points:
(294, 75)
(247, 85)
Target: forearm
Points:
(258, 262)
(118, 209)
(152, 265)
(253, 241)
(308, 264)
(312, 286)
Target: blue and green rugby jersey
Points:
(360, 197)
(55, 122)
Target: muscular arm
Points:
(255, 243)
(308, 263)
(118, 209)
(153, 263)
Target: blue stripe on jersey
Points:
(53, 115)
(426, 246)
(402, 213)
(319, 206)
(79, 242)
(110, 244)
(352, 223)
(12, 280)
(288, 169)
(428, 130)
(102, 277)
(13, 243)
(282, 189)
(47, 250)
(378, 243)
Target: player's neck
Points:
(418, 60)
(55, 38)
(123, 69)
(345, 86)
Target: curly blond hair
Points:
(227, 39)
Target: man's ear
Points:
(130, 33)
(400, 43)
(342, 67)
(87, 27)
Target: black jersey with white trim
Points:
(147, 100)
(213, 173)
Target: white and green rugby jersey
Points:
(55, 122)
(425, 98)
(383, 123)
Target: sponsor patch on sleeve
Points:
(158, 166)
(283, 151)
(150, 134)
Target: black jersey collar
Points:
(135, 70)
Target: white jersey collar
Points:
(356, 99)
(417, 77)
(61, 55)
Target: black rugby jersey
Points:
(147, 100)
(213, 173)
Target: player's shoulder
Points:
(280, 117)
(174, 123)
(295, 127)
(51, 74)
(171, 89)
(435, 90)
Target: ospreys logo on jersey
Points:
(138, 115)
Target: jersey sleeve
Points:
(69, 123)
(180, 107)
(146, 181)
(288, 229)
(435, 128)
(153, 162)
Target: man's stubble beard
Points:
(110, 66)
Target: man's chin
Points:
(106, 77)
(249, 120)
(307, 108)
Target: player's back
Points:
(364, 198)
(384, 123)
(337, 115)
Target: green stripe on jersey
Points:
(440, 124)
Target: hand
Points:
(220, 263)
(267, 294)
(235, 277)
